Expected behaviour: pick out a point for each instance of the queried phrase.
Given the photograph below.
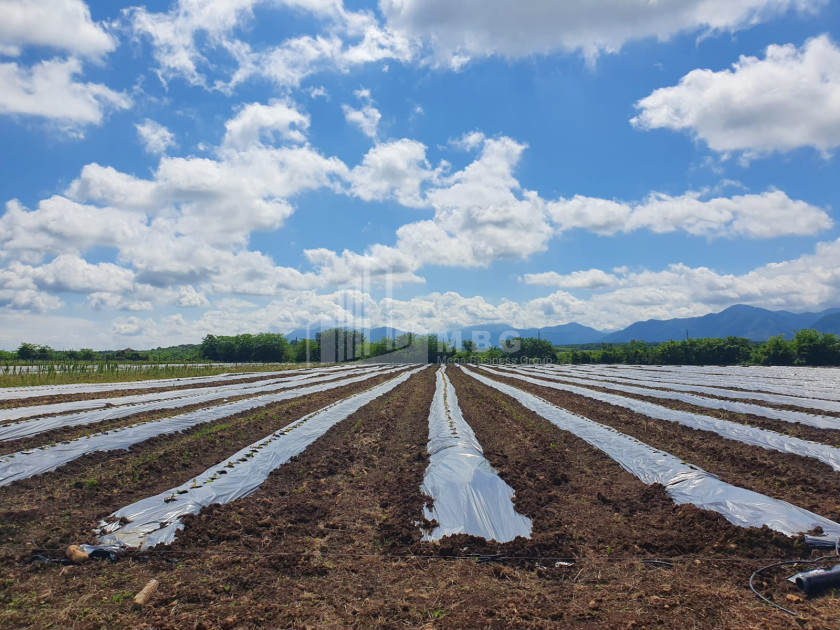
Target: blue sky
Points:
(189, 167)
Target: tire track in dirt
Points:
(92, 486)
(802, 481)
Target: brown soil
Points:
(330, 540)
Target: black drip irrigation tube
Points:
(809, 582)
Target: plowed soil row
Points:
(132, 388)
(74, 432)
(803, 481)
(332, 540)
(57, 508)
(793, 429)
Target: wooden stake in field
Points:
(143, 596)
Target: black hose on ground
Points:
(788, 563)
(814, 582)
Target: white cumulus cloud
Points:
(367, 117)
(255, 123)
(788, 99)
(767, 215)
(589, 279)
(62, 24)
(155, 137)
(182, 38)
(477, 28)
(50, 90)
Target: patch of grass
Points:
(210, 430)
(119, 598)
(62, 373)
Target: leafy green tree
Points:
(636, 353)
(307, 350)
(27, 352)
(775, 351)
(814, 348)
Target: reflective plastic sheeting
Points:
(35, 426)
(31, 462)
(21, 393)
(684, 482)
(155, 520)
(469, 496)
(613, 380)
(746, 434)
(811, 382)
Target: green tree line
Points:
(808, 347)
(336, 345)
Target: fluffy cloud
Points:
(809, 282)
(181, 236)
(219, 201)
(155, 137)
(786, 100)
(61, 24)
(61, 226)
(589, 279)
(50, 90)
(173, 34)
(481, 214)
(256, 122)
(114, 301)
(367, 117)
(457, 31)
(190, 298)
(766, 215)
(73, 274)
(393, 170)
(347, 39)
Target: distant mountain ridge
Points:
(740, 320)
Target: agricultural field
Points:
(422, 496)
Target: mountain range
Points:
(740, 320)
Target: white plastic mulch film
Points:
(16, 413)
(35, 426)
(18, 393)
(597, 377)
(155, 520)
(814, 383)
(27, 463)
(746, 434)
(469, 497)
(684, 482)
